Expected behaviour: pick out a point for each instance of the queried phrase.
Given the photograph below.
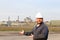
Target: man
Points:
(40, 31)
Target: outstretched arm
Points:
(28, 33)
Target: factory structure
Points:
(15, 23)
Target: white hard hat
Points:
(38, 15)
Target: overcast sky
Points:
(50, 9)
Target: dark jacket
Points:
(40, 32)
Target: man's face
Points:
(39, 20)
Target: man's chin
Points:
(39, 23)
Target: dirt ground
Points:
(16, 36)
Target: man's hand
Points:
(31, 36)
(22, 32)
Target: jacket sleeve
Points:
(31, 32)
(43, 34)
(28, 33)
